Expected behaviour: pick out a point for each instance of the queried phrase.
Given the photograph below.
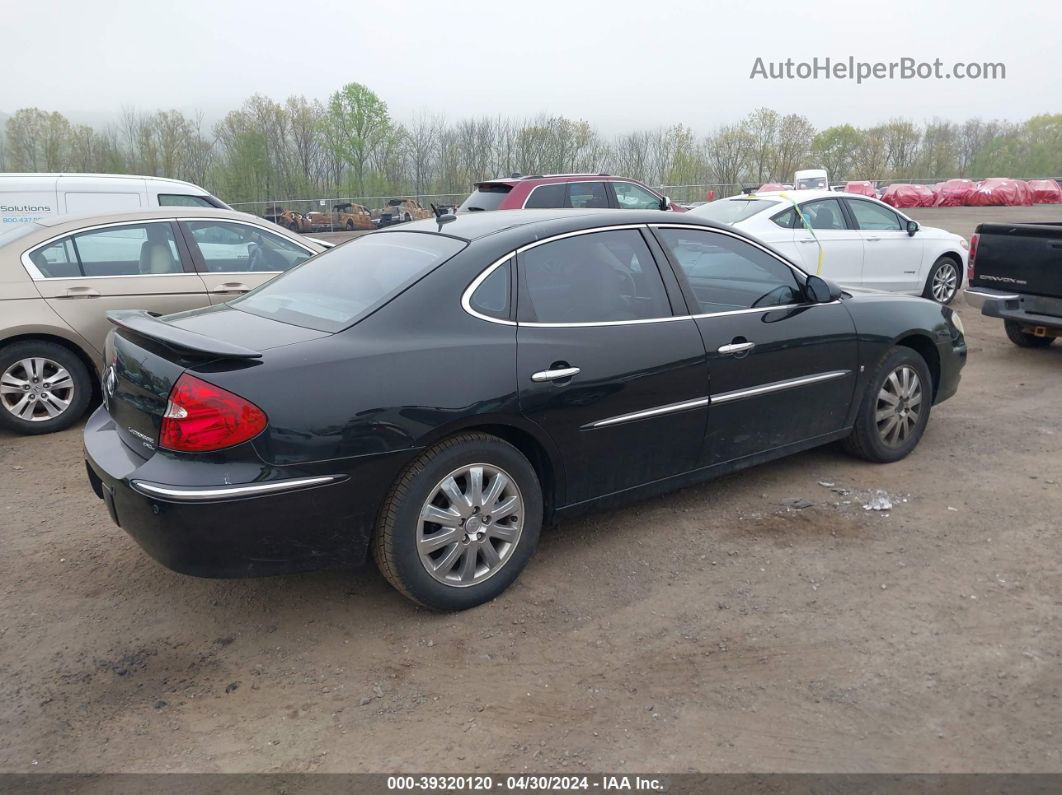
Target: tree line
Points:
(352, 146)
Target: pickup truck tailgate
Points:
(1026, 258)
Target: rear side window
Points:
(485, 197)
(587, 194)
(491, 298)
(547, 196)
(344, 284)
(727, 274)
(786, 219)
(183, 200)
(824, 214)
(593, 278)
(130, 250)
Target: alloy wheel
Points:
(36, 389)
(899, 406)
(945, 282)
(470, 525)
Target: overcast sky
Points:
(619, 64)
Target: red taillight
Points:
(201, 417)
(971, 257)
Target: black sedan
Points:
(437, 392)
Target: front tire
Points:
(895, 409)
(943, 282)
(1023, 339)
(460, 523)
(44, 387)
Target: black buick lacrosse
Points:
(437, 392)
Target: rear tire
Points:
(1023, 339)
(944, 281)
(44, 387)
(894, 410)
(447, 565)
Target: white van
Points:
(25, 198)
(811, 179)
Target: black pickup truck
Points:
(1015, 273)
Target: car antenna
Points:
(441, 215)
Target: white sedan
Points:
(859, 241)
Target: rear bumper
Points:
(1028, 310)
(284, 521)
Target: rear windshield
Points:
(730, 211)
(341, 286)
(486, 197)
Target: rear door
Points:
(604, 364)
(840, 244)
(141, 265)
(782, 370)
(233, 257)
(892, 259)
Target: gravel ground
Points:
(722, 628)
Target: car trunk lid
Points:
(146, 355)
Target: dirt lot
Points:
(718, 629)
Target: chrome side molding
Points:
(777, 386)
(207, 493)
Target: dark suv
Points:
(565, 190)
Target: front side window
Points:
(228, 247)
(130, 250)
(593, 278)
(634, 197)
(725, 273)
(346, 283)
(547, 196)
(873, 216)
(183, 200)
(587, 194)
(824, 214)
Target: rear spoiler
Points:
(147, 325)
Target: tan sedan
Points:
(60, 275)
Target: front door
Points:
(234, 257)
(831, 241)
(892, 259)
(782, 370)
(122, 266)
(605, 366)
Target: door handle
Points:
(808, 240)
(554, 375)
(82, 292)
(231, 287)
(872, 239)
(736, 347)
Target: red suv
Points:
(565, 190)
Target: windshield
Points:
(731, 211)
(341, 286)
(812, 183)
(16, 231)
(486, 197)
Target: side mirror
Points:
(912, 227)
(665, 203)
(820, 290)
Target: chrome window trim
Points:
(776, 386)
(195, 494)
(37, 276)
(638, 415)
(467, 294)
(466, 297)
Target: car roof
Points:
(79, 174)
(554, 178)
(475, 225)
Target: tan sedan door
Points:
(118, 266)
(235, 256)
